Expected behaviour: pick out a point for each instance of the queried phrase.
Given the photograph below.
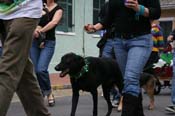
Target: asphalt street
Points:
(63, 106)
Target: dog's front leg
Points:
(95, 102)
(75, 98)
(150, 91)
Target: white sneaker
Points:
(170, 108)
(102, 94)
(115, 103)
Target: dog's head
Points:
(70, 64)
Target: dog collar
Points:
(84, 70)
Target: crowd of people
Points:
(28, 42)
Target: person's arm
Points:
(173, 32)
(110, 11)
(171, 37)
(90, 28)
(55, 20)
(98, 26)
(105, 16)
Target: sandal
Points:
(51, 102)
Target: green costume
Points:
(7, 8)
(167, 57)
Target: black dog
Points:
(87, 74)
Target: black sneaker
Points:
(170, 108)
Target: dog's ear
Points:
(80, 59)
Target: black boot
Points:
(140, 106)
(130, 105)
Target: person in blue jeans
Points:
(132, 44)
(104, 35)
(0, 47)
(43, 46)
(171, 108)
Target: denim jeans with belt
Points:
(131, 55)
(173, 80)
(41, 58)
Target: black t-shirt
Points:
(45, 19)
(124, 18)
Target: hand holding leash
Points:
(89, 28)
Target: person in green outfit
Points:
(16, 72)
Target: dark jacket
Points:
(103, 11)
(124, 18)
(110, 28)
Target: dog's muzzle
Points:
(57, 68)
(64, 73)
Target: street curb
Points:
(56, 87)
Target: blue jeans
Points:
(110, 54)
(41, 58)
(0, 51)
(173, 81)
(131, 55)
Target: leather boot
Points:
(130, 105)
(140, 106)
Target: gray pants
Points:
(16, 69)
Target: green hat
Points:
(167, 57)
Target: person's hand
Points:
(170, 38)
(42, 45)
(133, 4)
(89, 28)
(36, 33)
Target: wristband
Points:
(140, 12)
